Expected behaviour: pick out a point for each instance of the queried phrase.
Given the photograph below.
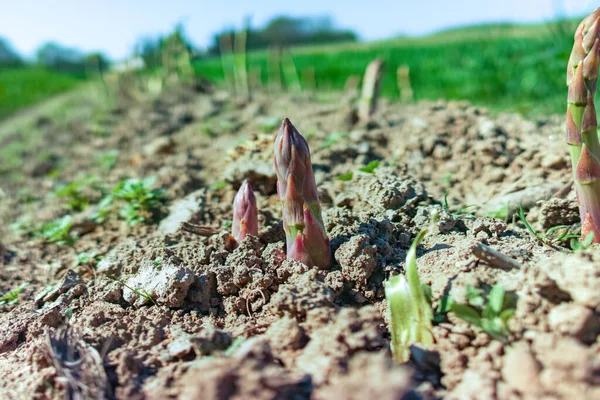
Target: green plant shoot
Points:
(410, 313)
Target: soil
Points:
(163, 313)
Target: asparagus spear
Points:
(581, 123)
(306, 238)
(245, 214)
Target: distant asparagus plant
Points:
(245, 214)
(306, 238)
(581, 126)
(409, 310)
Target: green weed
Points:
(580, 245)
(370, 167)
(85, 258)
(136, 200)
(269, 124)
(555, 234)
(12, 297)
(489, 314)
(469, 209)
(140, 292)
(345, 177)
(108, 159)
(74, 192)
(58, 231)
(333, 138)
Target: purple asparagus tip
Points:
(245, 214)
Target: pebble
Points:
(521, 370)
(574, 320)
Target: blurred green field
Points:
(501, 66)
(517, 68)
(21, 87)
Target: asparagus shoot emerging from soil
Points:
(581, 124)
(245, 214)
(409, 311)
(306, 238)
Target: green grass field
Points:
(26, 86)
(501, 66)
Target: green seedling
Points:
(12, 297)
(104, 209)
(443, 307)
(85, 258)
(410, 312)
(370, 167)
(58, 231)
(367, 169)
(490, 315)
(237, 342)
(269, 124)
(217, 186)
(73, 192)
(447, 179)
(469, 209)
(332, 139)
(140, 292)
(206, 129)
(500, 213)
(138, 201)
(345, 177)
(25, 195)
(107, 160)
(577, 245)
(23, 226)
(555, 234)
(227, 224)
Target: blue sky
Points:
(113, 26)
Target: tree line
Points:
(281, 31)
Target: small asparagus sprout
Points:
(409, 311)
(581, 124)
(245, 214)
(306, 238)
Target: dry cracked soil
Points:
(155, 311)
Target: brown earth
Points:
(248, 324)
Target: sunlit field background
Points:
(509, 67)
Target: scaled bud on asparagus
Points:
(581, 122)
(306, 238)
(245, 214)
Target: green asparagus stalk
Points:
(306, 237)
(581, 123)
(409, 311)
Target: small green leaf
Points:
(507, 314)
(345, 177)
(370, 167)
(474, 296)
(12, 297)
(218, 186)
(444, 305)
(496, 298)
(467, 313)
(521, 215)
(428, 292)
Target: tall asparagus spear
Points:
(306, 238)
(581, 124)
